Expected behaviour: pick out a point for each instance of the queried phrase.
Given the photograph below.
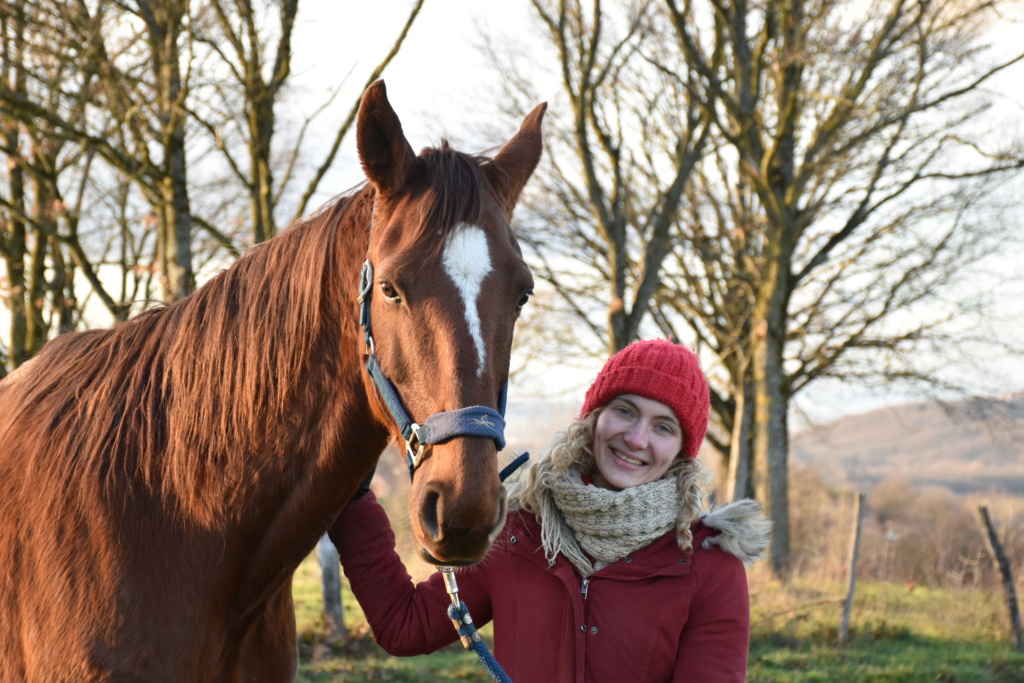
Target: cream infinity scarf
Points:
(578, 518)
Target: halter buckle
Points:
(414, 447)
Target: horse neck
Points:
(336, 435)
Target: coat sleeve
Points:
(715, 643)
(407, 619)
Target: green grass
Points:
(897, 635)
(905, 660)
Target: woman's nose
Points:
(636, 436)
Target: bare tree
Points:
(826, 221)
(34, 205)
(120, 97)
(611, 191)
(164, 22)
(864, 175)
(349, 120)
(258, 66)
(112, 111)
(12, 231)
(260, 76)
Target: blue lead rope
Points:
(471, 640)
(459, 613)
(513, 466)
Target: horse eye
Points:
(524, 299)
(389, 292)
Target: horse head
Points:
(444, 285)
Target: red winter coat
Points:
(659, 615)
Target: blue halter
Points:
(478, 421)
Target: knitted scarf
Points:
(578, 519)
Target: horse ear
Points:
(386, 156)
(514, 164)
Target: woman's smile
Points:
(628, 460)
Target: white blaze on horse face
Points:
(468, 262)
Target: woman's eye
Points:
(389, 292)
(524, 299)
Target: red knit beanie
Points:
(662, 371)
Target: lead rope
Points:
(459, 613)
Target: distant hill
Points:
(966, 446)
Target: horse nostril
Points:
(428, 514)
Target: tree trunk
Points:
(37, 327)
(261, 134)
(63, 289)
(844, 622)
(1009, 588)
(179, 277)
(16, 253)
(741, 448)
(330, 570)
(14, 74)
(771, 423)
(164, 23)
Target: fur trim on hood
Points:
(742, 528)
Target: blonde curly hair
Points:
(571, 449)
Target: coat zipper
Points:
(584, 586)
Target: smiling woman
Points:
(655, 408)
(636, 440)
(608, 568)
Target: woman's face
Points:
(636, 439)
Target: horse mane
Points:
(177, 399)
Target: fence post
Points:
(330, 572)
(844, 623)
(1003, 562)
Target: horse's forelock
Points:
(458, 190)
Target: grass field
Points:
(897, 635)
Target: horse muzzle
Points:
(455, 521)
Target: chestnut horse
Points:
(161, 481)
